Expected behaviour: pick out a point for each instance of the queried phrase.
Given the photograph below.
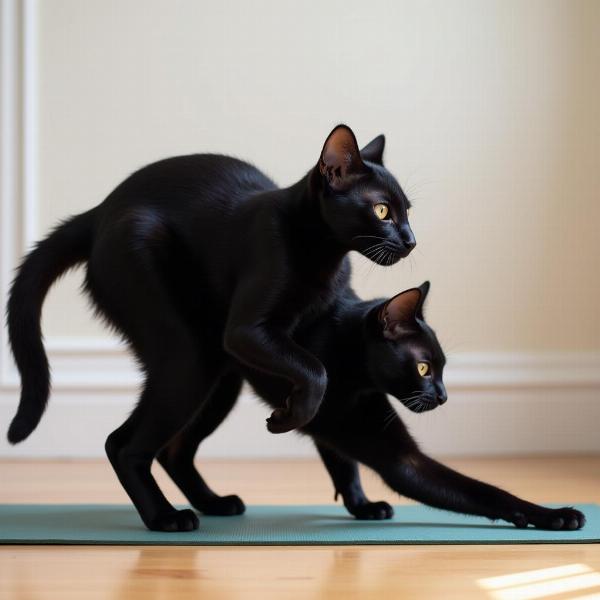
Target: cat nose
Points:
(408, 238)
(441, 394)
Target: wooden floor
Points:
(559, 572)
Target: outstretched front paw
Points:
(566, 519)
(373, 511)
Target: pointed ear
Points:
(424, 289)
(340, 158)
(373, 151)
(398, 315)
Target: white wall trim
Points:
(499, 370)
(94, 364)
(30, 122)
(10, 152)
(498, 404)
(18, 161)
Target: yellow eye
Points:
(423, 369)
(382, 211)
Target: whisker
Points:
(376, 237)
(379, 254)
(371, 249)
(389, 419)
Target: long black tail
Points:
(70, 243)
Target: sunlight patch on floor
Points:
(542, 583)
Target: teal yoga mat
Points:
(304, 525)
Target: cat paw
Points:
(175, 520)
(564, 519)
(283, 420)
(373, 511)
(223, 506)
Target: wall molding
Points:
(10, 155)
(499, 404)
(94, 364)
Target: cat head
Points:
(404, 356)
(361, 201)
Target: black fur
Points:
(66, 246)
(197, 258)
(212, 274)
(356, 422)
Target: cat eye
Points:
(423, 369)
(382, 211)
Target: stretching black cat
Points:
(369, 349)
(195, 255)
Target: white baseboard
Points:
(499, 404)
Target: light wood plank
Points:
(266, 572)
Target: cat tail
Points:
(69, 244)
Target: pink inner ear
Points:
(401, 309)
(340, 150)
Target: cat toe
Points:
(373, 511)
(567, 519)
(223, 506)
(175, 520)
(559, 519)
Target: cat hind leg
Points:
(177, 457)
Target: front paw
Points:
(372, 511)
(283, 420)
(563, 519)
(223, 506)
(175, 520)
(300, 408)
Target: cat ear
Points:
(340, 158)
(373, 151)
(398, 316)
(424, 289)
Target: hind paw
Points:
(175, 520)
(373, 511)
(224, 506)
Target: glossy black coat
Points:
(357, 424)
(197, 258)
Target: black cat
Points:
(370, 349)
(199, 257)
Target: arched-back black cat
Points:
(370, 349)
(210, 236)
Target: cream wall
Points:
(491, 112)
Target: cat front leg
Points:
(420, 477)
(346, 481)
(264, 346)
(371, 433)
